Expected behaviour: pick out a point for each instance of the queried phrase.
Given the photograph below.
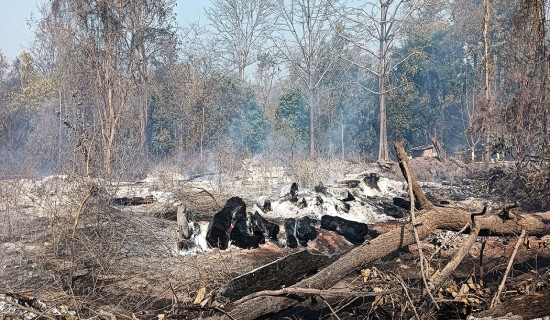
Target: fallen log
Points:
(275, 275)
(429, 219)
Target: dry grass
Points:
(122, 262)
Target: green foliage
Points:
(292, 116)
(255, 124)
(159, 131)
(428, 88)
(35, 87)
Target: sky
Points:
(16, 34)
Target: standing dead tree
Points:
(429, 219)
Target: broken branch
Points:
(307, 291)
(449, 268)
(496, 298)
(421, 199)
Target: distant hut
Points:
(424, 152)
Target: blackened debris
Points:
(354, 232)
(290, 228)
(219, 228)
(305, 231)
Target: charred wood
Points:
(349, 197)
(305, 231)
(354, 232)
(372, 180)
(133, 201)
(275, 275)
(266, 206)
(260, 225)
(239, 234)
(320, 188)
(405, 204)
(391, 210)
(352, 183)
(290, 231)
(219, 227)
(293, 195)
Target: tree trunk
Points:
(383, 154)
(311, 81)
(311, 125)
(488, 100)
(342, 135)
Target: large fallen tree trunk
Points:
(427, 221)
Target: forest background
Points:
(116, 88)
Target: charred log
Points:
(275, 275)
(305, 231)
(219, 227)
(239, 234)
(354, 232)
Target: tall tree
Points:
(374, 28)
(152, 42)
(242, 27)
(111, 43)
(305, 30)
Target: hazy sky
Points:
(15, 33)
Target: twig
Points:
(343, 306)
(331, 310)
(22, 307)
(496, 298)
(408, 296)
(224, 312)
(174, 293)
(210, 194)
(73, 239)
(407, 172)
(306, 291)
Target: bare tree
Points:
(242, 26)
(152, 40)
(374, 27)
(486, 17)
(305, 31)
(110, 45)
